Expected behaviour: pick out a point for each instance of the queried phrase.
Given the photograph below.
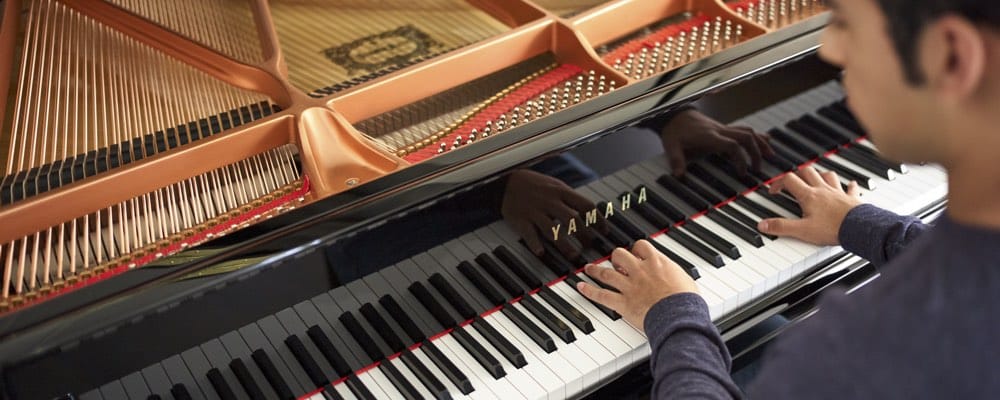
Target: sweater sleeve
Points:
(878, 235)
(689, 358)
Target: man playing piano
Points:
(924, 77)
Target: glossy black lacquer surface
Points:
(123, 324)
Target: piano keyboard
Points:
(482, 317)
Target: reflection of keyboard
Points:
(480, 316)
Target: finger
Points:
(623, 260)
(731, 149)
(749, 144)
(678, 163)
(527, 232)
(793, 184)
(810, 176)
(831, 178)
(577, 201)
(853, 189)
(643, 250)
(607, 275)
(605, 297)
(764, 142)
(567, 248)
(782, 227)
(561, 212)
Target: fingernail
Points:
(762, 225)
(581, 286)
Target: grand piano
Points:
(310, 199)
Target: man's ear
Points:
(953, 56)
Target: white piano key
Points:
(569, 377)
(586, 344)
(517, 378)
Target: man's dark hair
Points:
(908, 18)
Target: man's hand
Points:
(533, 203)
(824, 206)
(643, 277)
(691, 133)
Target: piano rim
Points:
(24, 335)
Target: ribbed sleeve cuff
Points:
(674, 312)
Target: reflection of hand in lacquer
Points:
(534, 203)
(690, 134)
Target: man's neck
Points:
(973, 193)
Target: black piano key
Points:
(573, 260)
(479, 353)
(198, 366)
(306, 361)
(744, 220)
(396, 344)
(537, 335)
(618, 237)
(499, 342)
(756, 209)
(451, 295)
(746, 234)
(361, 336)
(484, 286)
(812, 135)
(399, 281)
(329, 351)
(899, 168)
(703, 174)
(793, 143)
(154, 397)
(825, 129)
(156, 378)
(875, 166)
(686, 265)
(220, 385)
(784, 202)
(851, 175)
(330, 393)
(841, 115)
(404, 321)
(276, 334)
(358, 388)
(573, 280)
(697, 248)
(714, 240)
(527, 276)
(272, 375)
(626, 225)
(569, 312)
(701, 189)
(180, 392)
(447, 367)
(686, 195)
(399, 381)
(504, 346)
(431, 304)
(219, 358)
(729, 170)
(382, 327)
(649, 213)
(555, 262)
(669, 210)
(424, 375)
(574, 316)
(548, 319)
(179, 374)
(500, 275)
(238, 349)
(246, 379)
(473, 347)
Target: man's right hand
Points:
(824, 207)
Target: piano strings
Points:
(775, 14)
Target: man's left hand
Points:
(643, 277)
